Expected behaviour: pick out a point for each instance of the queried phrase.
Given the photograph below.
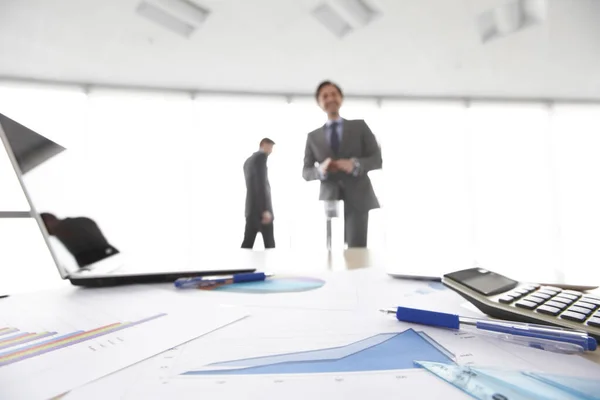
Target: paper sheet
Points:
(53, 342)
(245, 360)
(338, 293)
(361, 289)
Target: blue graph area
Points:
(432, 287)
(283, 284)
(386, 351)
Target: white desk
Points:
(308, 261)
(322, 260)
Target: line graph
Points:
(385, 351)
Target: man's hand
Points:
(345, 165)
(324, 166)
(267, 218)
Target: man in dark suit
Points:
(340, 154)
(81, 236)
(259, 210)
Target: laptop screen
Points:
(76, 240)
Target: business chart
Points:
(333, 354)
(432, 287)
(276, 284)
(50, 344)
(386, 351)
(12, 340)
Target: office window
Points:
(298, 201)
(58, 114)
(12, 198)
(510, 189)
(425, 177)
(137, 173)
(225, 131)
(575, 160)
(25, 262)
(510, 186)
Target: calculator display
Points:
(482, 281)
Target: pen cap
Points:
(592, 343)
(424, 317)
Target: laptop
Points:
(77, 243)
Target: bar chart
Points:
(54, 341)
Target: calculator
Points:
(504, 298)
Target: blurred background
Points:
(487, 112)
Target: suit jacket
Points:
(357, 142)
(258, 189)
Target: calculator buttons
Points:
(591, 300)
(584, 304)
(594, 321)
(580, 310)
(535, 300)
(573, 292)
(568, 296)
(573, 316)
(529, 305)
(550, 289)
(548, 310)
(543, 296)
(514, 294)
(506, 299)
(557, 304)
(563, 300)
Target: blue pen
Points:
(541, 344)
(211, 281)
(453, 321)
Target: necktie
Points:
(334, 139)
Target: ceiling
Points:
(421, 48)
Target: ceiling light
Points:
(332, 20)
(343, 16)
(186, 10)
(179, 16)
(358, 12)
(509, 18)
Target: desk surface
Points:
(319, 260)
(315, 261)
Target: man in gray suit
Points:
(259, 209)
(340, 154)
